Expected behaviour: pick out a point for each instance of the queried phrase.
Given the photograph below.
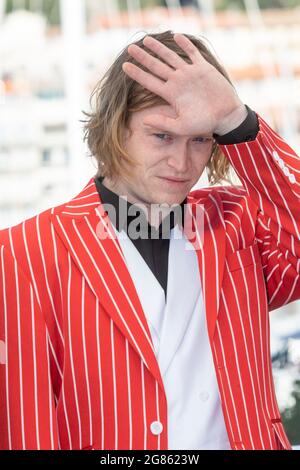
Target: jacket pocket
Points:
(240, 259)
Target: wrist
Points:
(232, 121)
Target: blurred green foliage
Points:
(291, 416)
(50, 8)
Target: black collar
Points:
(125, 216)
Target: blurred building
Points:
(36, 160)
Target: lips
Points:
(177, 180)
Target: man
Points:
(112, 339)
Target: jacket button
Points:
(275, 155)
(204, 395)
(156, 427)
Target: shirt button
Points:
(275, 155)
(286, 171)
(292, 178)
(2, 352)
(280, 163)
(204, 396)
(156, 427)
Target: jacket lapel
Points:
(86, 231)
(205, 229)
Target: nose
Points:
(179, 159)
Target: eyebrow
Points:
(147, 126)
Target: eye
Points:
(161, 136)
(201, 140)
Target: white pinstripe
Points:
(85, 358)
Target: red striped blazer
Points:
(78, 368)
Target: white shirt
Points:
(179, 333)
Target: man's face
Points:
(161, 157)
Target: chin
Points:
(171, 199)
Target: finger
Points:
(162, 122)
(152, 63)
(147, 80)
(189, 48)
(170, 57)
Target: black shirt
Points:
(153, 245)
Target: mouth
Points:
(173, 180)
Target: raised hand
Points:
(203, 100)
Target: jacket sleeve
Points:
(27, 409)
(269, 170)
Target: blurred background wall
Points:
(52, 53)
